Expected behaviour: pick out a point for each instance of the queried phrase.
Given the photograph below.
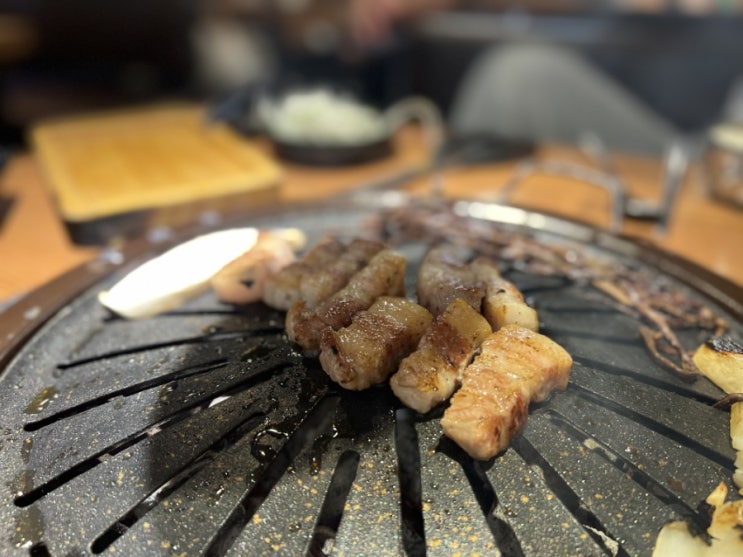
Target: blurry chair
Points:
(541, 92)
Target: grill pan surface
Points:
(204, 432)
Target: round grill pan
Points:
(204, 432)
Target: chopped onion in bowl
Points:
(322, 117)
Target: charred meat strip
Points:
(430, 374)
(282, 289)
(661, 307)
(503, 303)
(516, 366)
(367, 351)
(445, 276)
(331, 277)
(383, 276)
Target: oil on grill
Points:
(203, 432)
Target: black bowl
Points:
(332, 155)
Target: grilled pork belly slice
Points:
(367, 351)
(430, 374)
(516, 366)
(282, 289)
(383, 276)
(503, 303)
(444, 276)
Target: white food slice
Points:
(180, 273)
(721, 360)
(675, 539)
(736, 440)
(736, 426)
(243, 279)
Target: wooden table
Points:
(34, 247)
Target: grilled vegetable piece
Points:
(516, 366)
(736, 439)
(383, 276)
(430, 374)
(282, 289)
(675, 539)
(367, 351)
(721, 360)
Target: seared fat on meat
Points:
(331, 277)
(443, 277)
(430, 374)
(281, 290)
(367, 351)
(516, 366)
(503, 303)
(383, 276)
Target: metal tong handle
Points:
(575, 171)
(676, 165)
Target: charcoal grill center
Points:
(204, 431)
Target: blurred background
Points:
(683, 58)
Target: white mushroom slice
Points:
(180, 273)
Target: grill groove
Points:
(202, 432)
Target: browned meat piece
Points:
(430, 374)
(516, 366)
(331, 277)
(242, 281)
(282, 289)
(383, 276)
(445, 276)
(503, 303)
(367, 351)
